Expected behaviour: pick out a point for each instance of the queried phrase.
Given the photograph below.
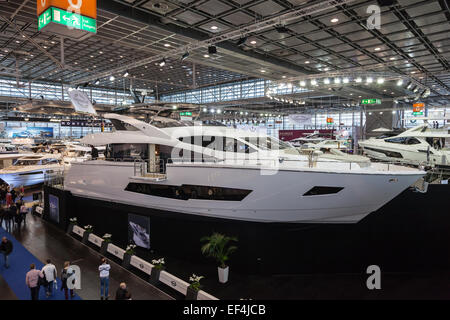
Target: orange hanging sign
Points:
(87, 8)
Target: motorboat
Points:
(31, 169)
(333, 149)
(314, 137)
(221, 172)
(420, 145)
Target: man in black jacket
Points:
(122, 292)
(6, 248)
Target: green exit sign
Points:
(371, 101)
(189, 114)
(68, 19)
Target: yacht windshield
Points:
(26, 162)
(268, 143)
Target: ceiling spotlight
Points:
(241, 41)
(112, 78)
(409, 86)
(212, 110)
(162, 63)
(126, 74)
(166, 45)
(313, 82)
(400, 82)
(219, 111)
(326, 81)
(281, 29)
(358, 80)
(394, 112)
(345, 80)
(334, 20)
(377, 49)
(369, 80)
(253, 42)
(205, 110)
(97, 81)
(380, 80)
(206, 55)
(185, 56)
(212, 50)
(214, 27)
(337, 80)
(174, 107)
(302, 83)
(263, 70)
(307, 62)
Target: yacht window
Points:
(412, 141)
(268, 143)
(186, 192)
(49, 161)
(400, 140)
(26, 162)
(316, 191)
(218, 143)
(127, 152)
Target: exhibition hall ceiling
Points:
(412, 41)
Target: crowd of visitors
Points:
(13, 212)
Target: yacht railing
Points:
(145, 167)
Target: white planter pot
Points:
(223, 274)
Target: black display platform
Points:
(410, 233)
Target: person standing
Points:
(49, 270)
(104, 279)
(32, 281)
(122, 292)
(8, 198)
(6, 248)
(13, 195)
(23, 212)
(65, 274)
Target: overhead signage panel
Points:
(81, 102)
(87, 8)
(68, 19)
(371, 101)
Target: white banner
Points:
(81, 101)
(301, 118)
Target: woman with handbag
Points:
(65, 274)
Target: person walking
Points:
(6, 248)
(17, 216)
(32, 281)
(13, 195)
(23, 212)
(65, 274)
(49, 270)
(104, 279)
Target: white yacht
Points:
(220, 172)
(31, 169)
(420, 145)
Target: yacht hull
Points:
(26, 178)
(275, 196)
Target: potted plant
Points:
(194, 287)
(106, 240)
(158, 265)
(218, 246)
(87, 231)
(129, 251)
(72, 222)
